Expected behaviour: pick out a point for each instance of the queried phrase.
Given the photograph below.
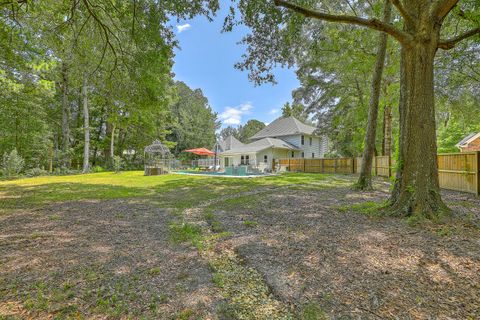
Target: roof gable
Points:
(230, 142)
(468, 139)
(260, 145)
(284, 127)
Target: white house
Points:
(283, 138)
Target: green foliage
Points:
(243, 132)
(125, 53)
(195, 122)
(12, 164)
(36, 172)
(117, 164)
(295, 110)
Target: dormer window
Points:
(303, 140)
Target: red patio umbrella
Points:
(201, 152)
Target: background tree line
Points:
(85, 81)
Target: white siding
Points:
(317, 146)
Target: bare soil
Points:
(355, 266)
(114, 258)
(111, 258)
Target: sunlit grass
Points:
(171, 190)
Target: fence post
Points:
(304, 166)
(335, 166)
(478, 173)
(389, 166)
(289, 169)
(376, 169)
(353, 165)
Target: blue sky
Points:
(206, 59)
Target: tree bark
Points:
(65, 118)
(112, 142)
(387, 131)
(365, 179)
(86, 127)
(416, 190)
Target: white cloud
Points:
(274, 111)
(233, 115)
(183, 27)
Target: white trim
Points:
(466, 143)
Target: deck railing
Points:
(456, 171)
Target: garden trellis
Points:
(158, 159)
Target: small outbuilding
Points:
(470, 143)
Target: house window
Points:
(303, 140)
(242, 160)
(247, 160)
(310, 139)
(265, 158)
(313, 155)
(303, 154)
(293, 154)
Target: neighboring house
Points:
(470, 143)
(283, 138)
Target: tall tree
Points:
(365, 179)
(416, 190)
(246, 131)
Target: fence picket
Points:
(456, 171)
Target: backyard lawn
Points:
(294, 246)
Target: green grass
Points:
(175, 191)
(369, 208)
(250, 223)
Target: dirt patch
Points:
(354, 265)
(109, 258)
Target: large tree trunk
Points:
(416, 189)
(65, 119)
(86, 127)
(365, 179)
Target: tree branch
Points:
(441, 8)
(452, 42)
(400, 36)
(401, 9)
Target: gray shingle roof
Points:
(284, 127)
(467, 139)
(230, 142)
(260, 145)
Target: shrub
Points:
(12, 164)
(35, 172)
(97, 169)
(117, 163)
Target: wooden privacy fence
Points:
(456, 171)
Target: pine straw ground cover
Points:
(180, 247)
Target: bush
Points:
(117, 163)
(97, 169)
(35, 172)
(12, 164)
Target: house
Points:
(469, 143)
(283, 138)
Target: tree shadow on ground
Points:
(109, 257)
(351, 264)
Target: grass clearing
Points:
(368, 208)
